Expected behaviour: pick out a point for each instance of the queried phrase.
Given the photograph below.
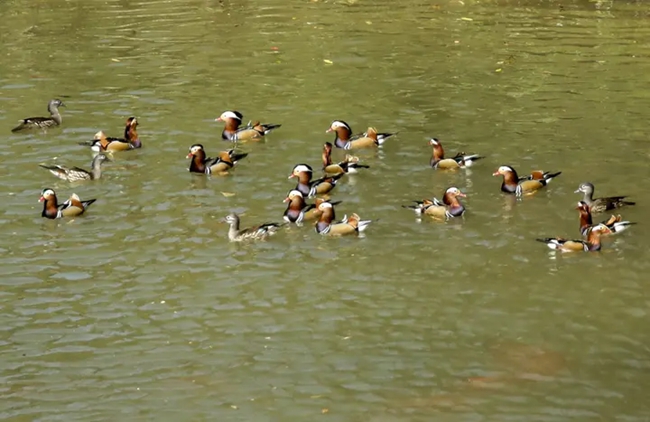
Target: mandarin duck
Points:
(43, 122)
(438, 160)
(311, 188)
(598, 205)
(519, 186)
(298, 210)
(592, 244)
(326, 225)
(449, 207)
(225, 161)
(74, 174)
(232, 131)
(612, 225)
(350, 165)
(261, 232)
(345, 140)
(70, 208)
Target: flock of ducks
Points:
(321, 211)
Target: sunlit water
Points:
(142, 310)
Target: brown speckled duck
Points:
(350, 165)
(519, 186)
(224, 162)
(438, 160)
(311, 188)
(73, 174)
(612, 225)
(592, 244)
(55, 118)
(598, 205)
(252, 131)
(70, 208)
(298, 210)
(449, 207)
(327, 226)
(261, 232)
(345, 140)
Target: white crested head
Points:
(47, 193)
(505, 169)
(100, 135)
(302, 168)
(434, 141)
(324, 205)
(196, 148)
(295, 193)
(339, 123)
(453, 191)
(232, 115)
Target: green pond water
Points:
(142, 310)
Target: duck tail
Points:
(20, 127)
(550, 176)
(88, 203)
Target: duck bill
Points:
(496, 173)
(218, 119)
(462, 195)
(41, 199)
(285, 200)
(577, 191)
(291, 176)
(329, 130)
(190, 155)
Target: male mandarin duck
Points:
(592, 244)
(345, 140)
(438, 160)
(311, 188)
(350, 165)
(225, 161)
(74, 174)
(327, 226)
(43, 122)
(612, 225)
(131, 140)
(252, 131)
(449, 207)
(70, 208)
(261, 232)
(598, 205)
(298, 210)
(519, 186)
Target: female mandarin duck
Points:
(311, 188)
(131, 139)
(438, 160)
(598, 205)
(519, 186)
(43, 122)
(350, 165)
(326, 226)
(70, 208)
(612, 225)
(449, 207)
(298, 210)
(261, 232)
(74, 174)
(592, 244)
(345, 140)
(252, 131)
(220, 165)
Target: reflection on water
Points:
(141, 305)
